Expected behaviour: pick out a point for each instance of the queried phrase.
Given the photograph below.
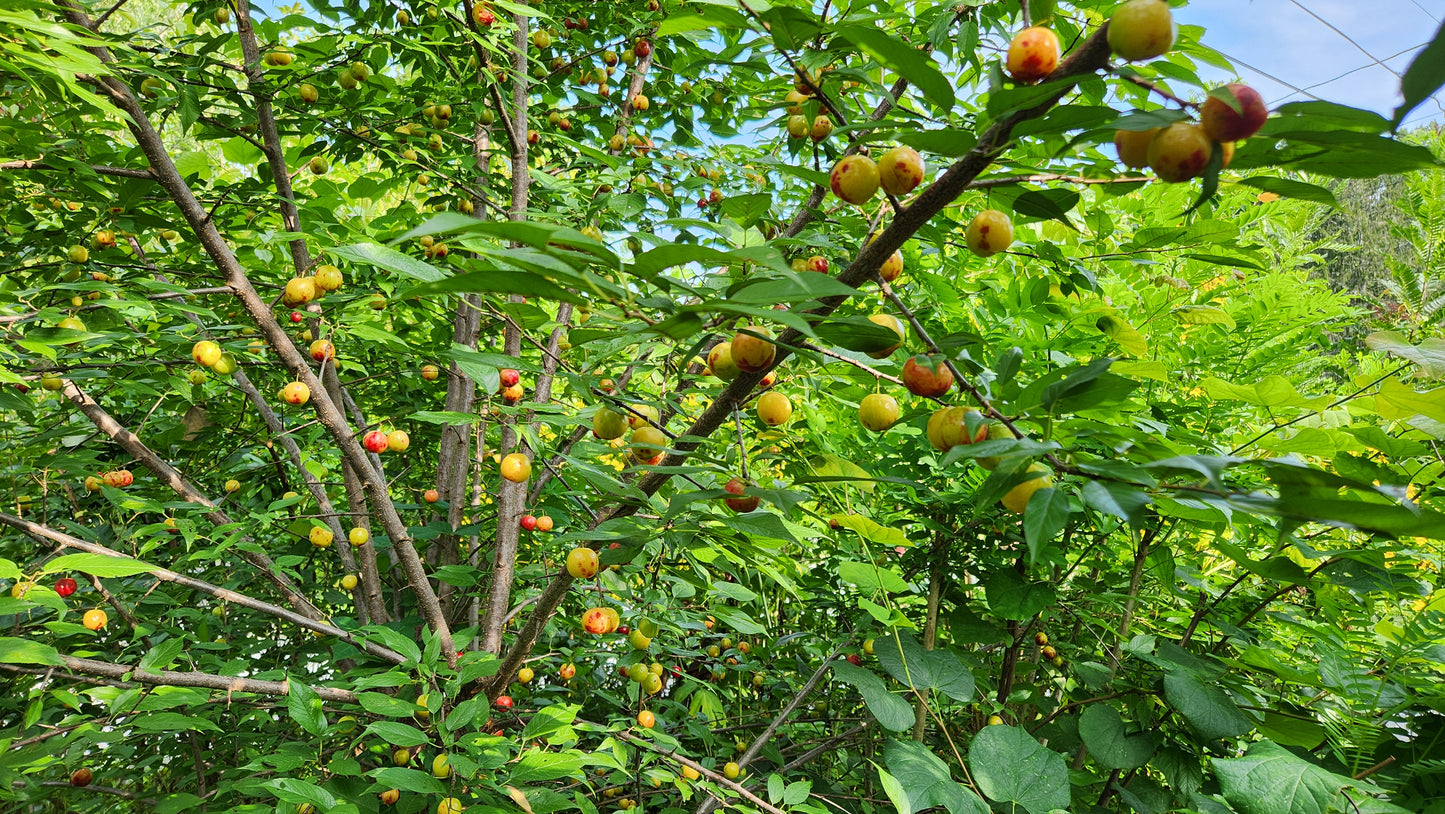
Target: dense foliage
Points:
(337, 338)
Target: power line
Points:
(1427, 12)
(1347, 73)
(1347, 37)
(1269, 76)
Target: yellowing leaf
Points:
(1398, 401)
(519, 798)
(1203, 315)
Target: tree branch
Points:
(131, 676)
(40, 532)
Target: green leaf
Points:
(478, 366)
(894, 790)
(706, 18)
(1269, 779)
(497, 281)
(1289, 188)
(1118, 499)
(857, 334)
(304, 706)
(903, 59)
(928, 781)
(1396, 400)
(836, 468)
(1203, 315)
(380, 704)
(1048, 204)
(869, 577)
(293, 790)
(403, 779)
(478, 665)
(100, 565)
(1206, 707)
(398, 734)
(1103, 732)
(172, 722)
(906, 660)
(1013, 769)
(162, 655)
(873, 532)
(551, 721)
(949, 143)
(446, 417)
(1425, 75)
(1295, 728)
(536, 766)
(370, 254)
(1129, 340)
(892, 712)
(1045, 516)
(1271, 391)
(1013, 598)
(24, 651)
(739, 621)
(1429, 354)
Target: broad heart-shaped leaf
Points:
(927, 781)
(1397, 400)
(1103, 732)
(903, 59)
(100, 565)
(869, 577)
(906, 660)
(1270, 779)
(1425, 75)
(1012, 597)
(1205, 706)
(1016, 772)
(1429, 355)
(891, 711)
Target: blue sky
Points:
(1286, 48)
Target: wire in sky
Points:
(1347, 73)
(1347, 37)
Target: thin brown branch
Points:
(46, 533)
(131, 676)
(173, 478)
